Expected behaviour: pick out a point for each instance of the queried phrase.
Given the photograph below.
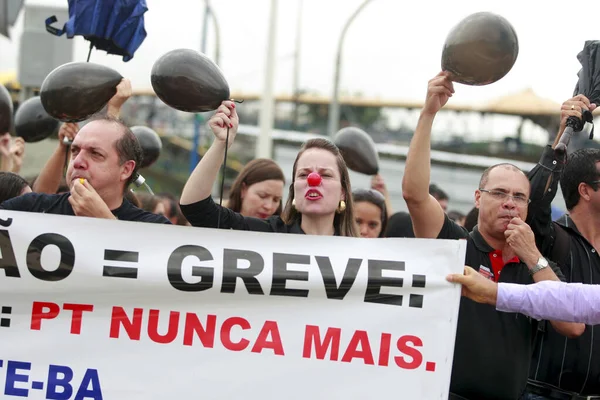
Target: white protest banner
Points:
(99, 309)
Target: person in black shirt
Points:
(105, 156)
(320, 196)
(492, 350)
(560, 366)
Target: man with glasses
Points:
(492, 350)
(561, 367)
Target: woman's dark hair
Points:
(11, 185)
(173, 211)
(400, 225)
(376, 198)
(255, 171)
(471, 219)
(343, 222)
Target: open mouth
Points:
(313, 195)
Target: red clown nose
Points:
(314, 179)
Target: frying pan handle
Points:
(574, 124)
(563, 143)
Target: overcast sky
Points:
(392, 49)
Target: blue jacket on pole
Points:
(115, 26)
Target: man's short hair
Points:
(127, 146)
(580, 168)
(486, 174)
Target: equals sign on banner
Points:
(127, 258)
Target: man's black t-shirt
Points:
(493, 349)
(59, 204)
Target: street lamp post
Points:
(334, 107)
(264, 143)
(198, 119)
(296, 81)
(217, 34)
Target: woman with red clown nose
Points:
(319, 201)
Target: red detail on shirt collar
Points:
(498, 264)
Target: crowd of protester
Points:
(513, 241)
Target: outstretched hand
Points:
(17, 152)
(475, 286)
(574, 107)
(225, 117)
(439, 91)
(123, 94)
(67, 133)
(5, 141)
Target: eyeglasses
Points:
(503, 196)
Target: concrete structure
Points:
(41, 52)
